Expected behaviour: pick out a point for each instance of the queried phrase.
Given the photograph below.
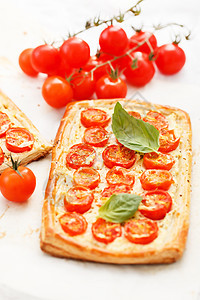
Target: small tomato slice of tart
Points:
(80, 155)
(118, 155)
(156, 119)
(141, 231)
(119, 175)
(106, 232)
(5, 124)
(156, 179)
(19, 140)
(87, 177)
(116, 189)
(158, 161)
(94, 117)
(168, 141)
(1, 156)
(96, 136)
(156, 204)
(73, 223)
(135, 114)
(78, 199)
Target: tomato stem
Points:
(15, 165)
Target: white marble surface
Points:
(25, 272)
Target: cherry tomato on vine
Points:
(82, 85)
(141, 36)
(111, 86)
(17, 183)
(170, 59)
(57, 91)
(140, 70)
(75, 51)
(113, 40)
(26, 64)
(45, 59)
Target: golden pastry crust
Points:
(169, 245)
(40, 147)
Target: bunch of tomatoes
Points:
(73, 74)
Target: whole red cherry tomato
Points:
(170, 59)
(26, 64)
(83, 86)
(100, 71)
(141, 36)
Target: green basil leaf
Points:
(133, 133)
(119, 208)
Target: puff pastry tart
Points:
(18, 136)
(119, 184)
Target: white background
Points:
(26, 272)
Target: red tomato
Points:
(119, 175)
(73, 223)
(19, 140)
(156, 179)
(1, 156)
(83, 86)
(75, 52)
(113, 40)
(5, 124)
(57, 91)
(94, 117)
(96, 136)
(140, 71)
(158, 161)
(141, 36)
(26, 64)
(106, 232)
(168, 141)
(156, 204)
(108, 87)
(78, 199)
(45, 59)
(63, 70)
(116, 189)
(170, 59)
(15, 187)
(80, 155)
(87, 177)
(118, 155)
(156, 119)
(141, 231)
(100, 70)
(118, 63)
(135, 114)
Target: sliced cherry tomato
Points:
(100, 71)
(57, 91)
(156, 119)
(78, 199)
(80, 155)
(168, 141)
(26, 64)
(142, 36)
(119, 175)
(45, 59)
(19, 140)
(17, 184)
(142, 231)
(118, 155)
(87, 177)
(1, 156)
(113, 40)
(140, 70)
(158, 161)
(156, 204)
(170, 59)
(135, 114)
(94, 117)
(5, 124)
(75, 51)
(73, 223)
(82, 85)
(156, 179)
(108, 87)
(96, 136)
(106, 232)
(116, 189)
